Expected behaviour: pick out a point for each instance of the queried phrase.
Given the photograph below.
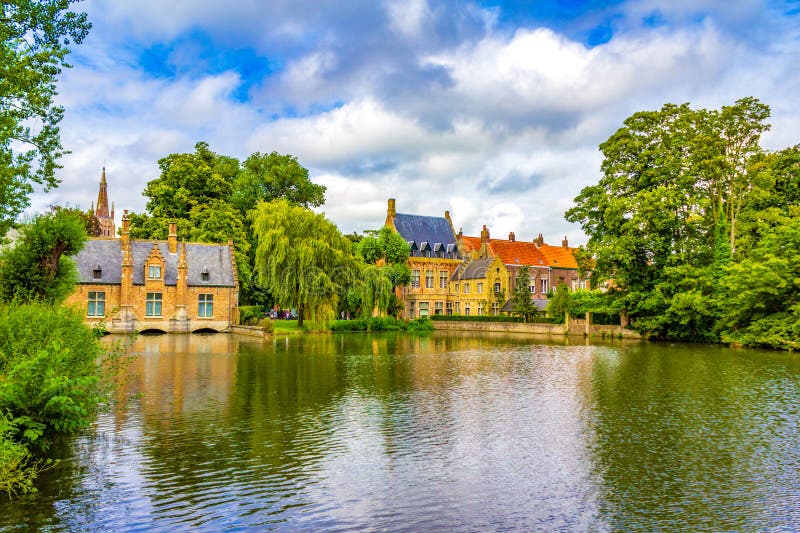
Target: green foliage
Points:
(268, 325)
(381, 324)
(36, 35)
(687, 197)
(37, 267)
(249, 315)
(521, 301)
(302, 259)
(421, 324)
(268, 177)
(386, 245)
(558, 304)
(49, 371)
(761, 295)
(210, 197)
(18, 468)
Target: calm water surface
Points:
(395, 432)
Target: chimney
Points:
(565, 243)
(485, 234)
(539, 240)
(511, 236)
(460, 232)
(126, 228)
(172, 238)
(391, 212)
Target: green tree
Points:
(558, 304)
(36, 35)
(386, 251)
(302, 259)
(38, 268)
(761, 294)
(672, 180)
(273, 176)
(186, 182)
(521, 302)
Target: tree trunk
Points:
(300, 316)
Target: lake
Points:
(436, 432)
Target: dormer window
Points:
(97, 273)
(154, 272)
(204, 275)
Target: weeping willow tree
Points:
(302, 259)
(375, 289)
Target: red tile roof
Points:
(525, 253)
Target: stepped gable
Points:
(473, 270)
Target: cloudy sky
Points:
(493, 110)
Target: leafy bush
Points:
(49, 371)
(18, 468)
(268, 325)
(369, 324)
(421, 324)
(249, 315)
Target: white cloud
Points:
(407, 17)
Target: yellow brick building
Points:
(138, 285)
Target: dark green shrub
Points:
(421, 324)
(249, 315)
(267, 325)
(50, 367)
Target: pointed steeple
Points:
(102, 198)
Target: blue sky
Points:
(492, 110)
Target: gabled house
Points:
(137, 285)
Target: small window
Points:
(496, 286)
(443, 279)
(410, 309)
(154, 272)
(437, 308)
(153, 304)
(429, 279)
(415, 279)
(97, 304)
(204, 275)
(97, 273)
(466, 288)
(480, 288)
(205, 305)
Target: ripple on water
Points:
(441, 433)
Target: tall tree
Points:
(302, 259)
(36, 35)
(521, 301)
(388, 252)
(672, 179)
(273, 176)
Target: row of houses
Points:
(136, 285)
(453, 273)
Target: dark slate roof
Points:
(473, 270)
(104, 252)
(108, 254)
(431, 230)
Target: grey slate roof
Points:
(108, 254)
(473, 270)
(426, 232)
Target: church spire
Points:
(106, 220)
(102, 198)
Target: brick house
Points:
(137, 285)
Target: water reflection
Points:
(433, 432)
